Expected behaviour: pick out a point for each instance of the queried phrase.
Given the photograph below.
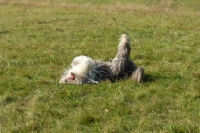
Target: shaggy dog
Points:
(86, 70)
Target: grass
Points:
(39, 39)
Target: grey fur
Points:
(121, 66)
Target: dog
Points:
(86, 70)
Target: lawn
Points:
(39, 39)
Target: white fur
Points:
(80, 66)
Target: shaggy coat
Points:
(86, 70)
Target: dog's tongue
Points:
(72, 76)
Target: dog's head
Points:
(70, 78)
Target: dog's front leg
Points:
(90, 81)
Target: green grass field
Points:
(38, 39)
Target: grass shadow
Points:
(149, 78)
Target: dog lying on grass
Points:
(86, 70)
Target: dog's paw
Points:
(95, 82)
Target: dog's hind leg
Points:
(124, 48)
(121, 65)
(138, 75)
